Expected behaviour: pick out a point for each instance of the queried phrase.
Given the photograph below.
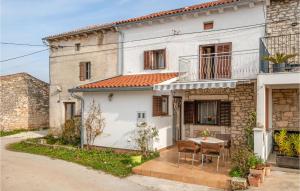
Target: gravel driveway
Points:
(27, 172)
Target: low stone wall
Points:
(286, 109)
(243, 101)
(24, 102)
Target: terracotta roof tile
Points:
(150, 16)
(138, 80)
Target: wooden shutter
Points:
(82, 71)
(148, 60)
(189, 112)
(225, 113)
(156, 105)
(223, 69)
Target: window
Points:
(69, 110)
(160, 105)
(77, 46)
(212, 112)
(208, 25)
(155, 59)
(207, 112)
(84, 71)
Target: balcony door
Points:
(215, 61)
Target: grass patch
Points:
(6, 133)
(105, 160)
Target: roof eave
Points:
(143, 88)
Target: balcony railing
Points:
(284, 44)
(230, 65)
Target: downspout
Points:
(120, 51)
(81, 119)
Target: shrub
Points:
(251, 123)
(289, 145)
(235, 172)
(71, 131)
(240, 160)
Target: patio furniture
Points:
(187, 147)
(227, 139)
(211, 150)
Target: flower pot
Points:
(137, 159)
(254, 180)
(267, 170)
(288, 162)
(279, 67)
(260, 172)
(238, 183)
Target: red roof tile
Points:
(139, 80)
(145, 17)
(180, 10)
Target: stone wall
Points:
(243, 101)
(24, 102)
(281, 15)
(286, 109)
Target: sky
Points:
(28, 21)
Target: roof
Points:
(180, 10)
(130, 81)
(145, 17)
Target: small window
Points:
(208, 25)
(77, 46)
(160, 105)
(69, 110)
(85, 71)
(207, 112)
(141, 116)
(155, 59)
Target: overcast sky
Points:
(27, 21)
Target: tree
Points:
(94, 123)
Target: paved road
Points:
(27, 172)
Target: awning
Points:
(196, 85)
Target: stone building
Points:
(24, 102)
(78, 57)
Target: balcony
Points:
(219, 66)
(284, 44)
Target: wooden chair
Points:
(227, 139)
(211, 150)
(187, 147)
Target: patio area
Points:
(166, 167)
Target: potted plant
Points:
(289, 149)
(257, 166)
(254, 180)
(143, 137)
(237, 181)
(267, 169)
(279, 60)
(205, 134)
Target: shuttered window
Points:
(155, 59)
(84, 71)
(189, 108)
(208, 25)
(207, 112)
(160, 105)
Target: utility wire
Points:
(22, 44)
(24, 55)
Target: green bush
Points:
(288, 144)
(240, 160)
(235, 172)
(71, 132)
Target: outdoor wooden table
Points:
(213, 140)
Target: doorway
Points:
(177, 118)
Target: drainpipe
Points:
(81, 119)
(120, 51)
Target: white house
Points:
(183, 71)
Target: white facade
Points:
(180, 36)
(121, 118)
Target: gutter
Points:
(81, 118)
(120, 51)
(144, 88)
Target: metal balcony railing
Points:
(229, 65)
(284, 44)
